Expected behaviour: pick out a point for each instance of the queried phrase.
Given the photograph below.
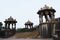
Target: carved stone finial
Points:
(45, 7)
(51, 8)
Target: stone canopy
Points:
(28, 23)
(10, 19)
(46, 8)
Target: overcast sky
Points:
(24, 10)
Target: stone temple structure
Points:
(28, 24)
(10, 27)
(57, 28)
(10, 21)
(47, 28)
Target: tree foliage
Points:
(27, 29)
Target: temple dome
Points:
(10, 19)
(46, 7)
(28, 22)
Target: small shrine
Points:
(10, 21)
(28, 24)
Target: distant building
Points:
(7, 31)
(10, 21)
(28, 24)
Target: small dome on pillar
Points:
(28, 22)
(46, 8)
(10, 19)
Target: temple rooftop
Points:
(28, 22)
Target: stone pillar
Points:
(46, 16)
(54, 29)
(53, 22)
(52, 15)
(12, 26)
(8, 25)
(32, 26)
(5, 25)
(40, 19)
(15, 25)
(27, 26)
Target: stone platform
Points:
(24, 39)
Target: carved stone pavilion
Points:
(47, 28)
(28, 24)
(10, 27)
(10, 21)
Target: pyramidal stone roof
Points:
(10, 19)
(28, 22)
(46, 7)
